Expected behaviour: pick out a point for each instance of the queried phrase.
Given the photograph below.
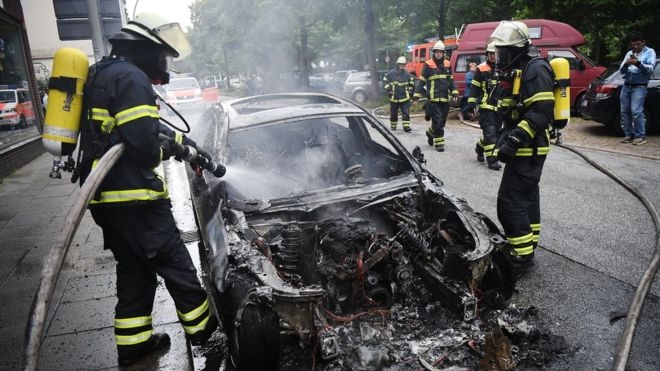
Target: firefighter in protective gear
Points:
(527, 106)
(399, 85)
(437, 83)
(132, 205)
(482, 95)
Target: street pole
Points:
(98, 44)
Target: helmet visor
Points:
(172, 35)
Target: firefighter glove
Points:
(508, 151)
(168, 147)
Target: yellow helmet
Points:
(401, 60)
(510, 33)
(439, 45)
(156, 28)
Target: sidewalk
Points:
(79, 330)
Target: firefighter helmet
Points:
(401, 60)
(155, 28)
(439, 45)
(510, 33)
(490, 48)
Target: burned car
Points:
(323, 214)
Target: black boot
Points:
(156, 342)
(493, 164)
(480, 153)
(429, 138)
(521, 265)
(201, 337)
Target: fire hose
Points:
(39, 311)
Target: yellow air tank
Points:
(562, 92)
(65, 102)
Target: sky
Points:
(177, 10)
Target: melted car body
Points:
(324, 213)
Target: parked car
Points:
(183, 93)
(602, 100)
(323, 214)
(16, 109)
(358, 86)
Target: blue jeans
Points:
(632, 111)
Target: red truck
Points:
(553, 39)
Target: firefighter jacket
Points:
(529, 115)
(119, 106)
(436, 82)
(399, 84)
(483, 83)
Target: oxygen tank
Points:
(65, 102)
(561, 92)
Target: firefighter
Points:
(399, 85)
(132, 205)
(528, 110)
(437, 83)
(482, 92)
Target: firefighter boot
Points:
(406, 127)
(429, 137)
(155, 343)
(493, 164)
(393, 125)
(521, 264)
(480, 153)
(201, 337)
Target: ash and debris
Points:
(428, 337)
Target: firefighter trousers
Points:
(404, 107)
(490, 122)
(146, 242)
(438, 112)
(518, 203)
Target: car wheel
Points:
(257, 330)
(360, 96)
(615, 125)
(577, 107)
(22, 123)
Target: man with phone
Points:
(636, 68)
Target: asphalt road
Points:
(597, 239)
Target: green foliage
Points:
(280, 39)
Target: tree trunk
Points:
(304, 55)
(370, 29)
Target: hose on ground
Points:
(52, 267)
(623, 349)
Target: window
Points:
(464, 61)
(572, 59)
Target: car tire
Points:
(258, 328)
(360, 96)
(577, 107)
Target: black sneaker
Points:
(155, 343)
(201, 337)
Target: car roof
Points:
(266, 108)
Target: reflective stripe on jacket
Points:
(398, 83)
(436, 82)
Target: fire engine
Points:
(421, 52)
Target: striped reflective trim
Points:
(439, 141)
(60, 134)
(135, 113)
(489, 147)
(536, 227)
(528, 129)
(540, 96)
(107, 121)
(526, 152)
(131, 195)
(196, 328)
(134, 339)
(438, 77)
(178, 137)
(476, 83)
(487, 106)
(522, 251)
(132, 322)
(508, 102)
(193, 314)
(522, 240)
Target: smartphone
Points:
(633, 56)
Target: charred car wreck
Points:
(323, 215)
